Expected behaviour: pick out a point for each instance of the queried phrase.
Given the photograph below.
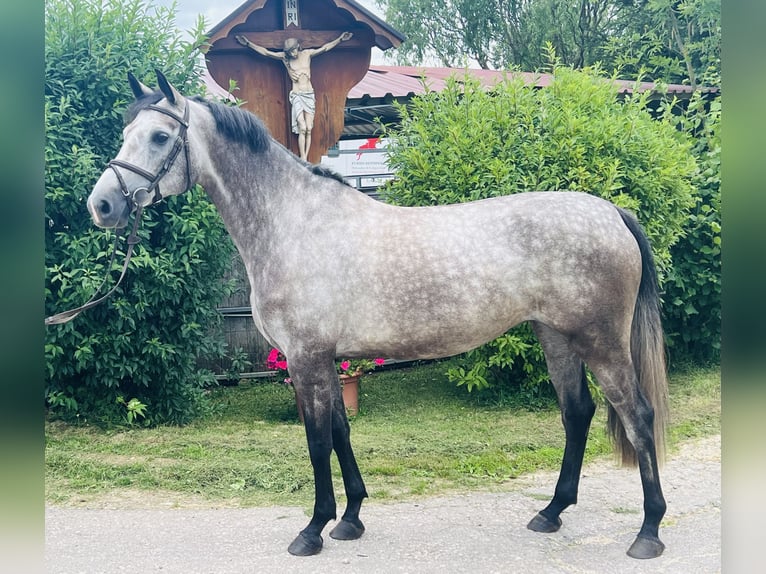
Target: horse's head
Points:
(150, 155)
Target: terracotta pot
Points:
(350, 386)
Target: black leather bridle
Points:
(152, 189)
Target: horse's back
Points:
(515, 237)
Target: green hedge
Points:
(692, 299)
(133, 358)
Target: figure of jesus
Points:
(298, 64)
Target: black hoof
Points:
(644, 548)
(541, 524)
(305, 545)
(345, 530)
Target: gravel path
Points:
(477, 533)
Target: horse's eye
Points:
(160, 138)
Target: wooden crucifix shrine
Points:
(295, 61)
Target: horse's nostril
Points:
(104, 207)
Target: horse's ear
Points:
(169, 91)
(138, 88)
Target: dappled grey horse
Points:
(335, 273)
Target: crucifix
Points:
(273, 94)
(302, 99)
(297, 61)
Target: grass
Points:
(416, 435)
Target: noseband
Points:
(153, 188)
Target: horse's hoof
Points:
(541, 524)
(305, 545)
(644, 548)
(345, 530)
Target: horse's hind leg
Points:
(350, 527)
(567, 373)
(619, 382)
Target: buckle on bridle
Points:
(148, 199)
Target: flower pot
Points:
(350, 386)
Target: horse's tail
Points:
(647, 349)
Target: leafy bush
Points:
(143, 344)
(693, 287)
(513, 360)
(467, 143)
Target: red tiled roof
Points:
(403, 81)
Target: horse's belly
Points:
(423, 328)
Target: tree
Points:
(692, 299)
(144, 343)
(676, 41)
(448, 31)
(671, 40)
(501, 33)
(577, 31)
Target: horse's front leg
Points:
(315, 382)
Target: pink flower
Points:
(273, 356)
(379, 361)
(345, 365)
(276, 360)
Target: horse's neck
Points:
(252, 190)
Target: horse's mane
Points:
(324, 171)
(235, 124)
(141, 103)
(240, 125)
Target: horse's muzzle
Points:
(109, 210)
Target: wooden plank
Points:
(275, 40)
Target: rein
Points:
(66, 316)
(152, 189)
